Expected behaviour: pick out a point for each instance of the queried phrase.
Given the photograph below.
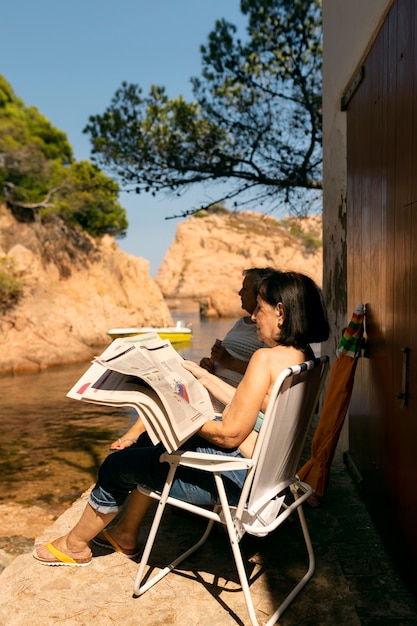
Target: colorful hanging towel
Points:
(351, 341)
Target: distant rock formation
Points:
(209, 252)
(74, 290)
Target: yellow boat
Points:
(176, 334)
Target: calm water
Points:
(50, 445)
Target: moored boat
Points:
(176, 334)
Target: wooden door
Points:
(382, 272)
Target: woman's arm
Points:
(247, 400)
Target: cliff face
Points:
(73, 291)
(209, 253)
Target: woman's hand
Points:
(196, 370)
(216, 386)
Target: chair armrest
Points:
(206, 462)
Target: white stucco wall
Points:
(349, 29)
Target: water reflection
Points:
(50, 445)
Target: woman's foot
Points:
(59, 552)
(122, 545)
(121, 444)
(129, 438)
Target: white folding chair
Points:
(270, 472)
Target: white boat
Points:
(176, 334)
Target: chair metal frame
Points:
(271, 476)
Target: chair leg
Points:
(310, 571)
(139, 589)
(234, 542)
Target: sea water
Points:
(50, 445)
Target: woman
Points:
(290, 315)
(229, 358)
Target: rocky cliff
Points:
(74, 290)
(209, 253)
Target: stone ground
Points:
(355, 582)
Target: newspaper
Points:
(145, 372)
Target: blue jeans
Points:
(122, 471)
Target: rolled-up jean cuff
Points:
(101, 508)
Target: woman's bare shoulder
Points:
(262, 355)
(278, 357)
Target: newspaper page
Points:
(101, 386)
(145, 372)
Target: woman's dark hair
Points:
(305, 315)
(258, 274)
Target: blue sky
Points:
(68, 59)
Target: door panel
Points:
(382, 272)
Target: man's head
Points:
(252, 280)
